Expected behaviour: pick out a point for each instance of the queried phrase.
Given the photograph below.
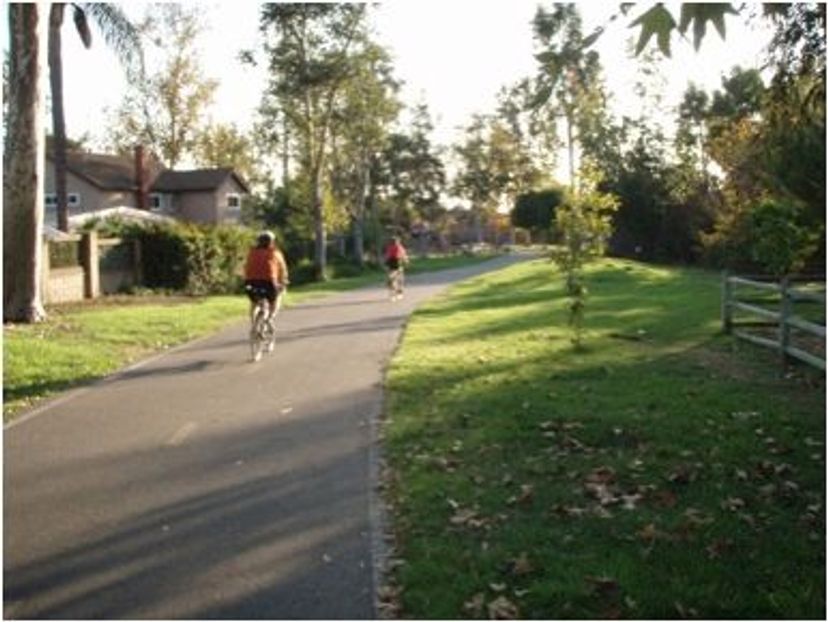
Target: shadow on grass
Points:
(680, 417)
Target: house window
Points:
(233, 201)
(155, 201)
(73, 199)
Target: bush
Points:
(196, 259)
(781, 242)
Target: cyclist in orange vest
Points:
(265, 273)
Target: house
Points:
(97, 182)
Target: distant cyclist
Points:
(395, 257)
(265, 273)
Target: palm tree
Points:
(124, 39)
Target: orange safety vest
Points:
(265, 264)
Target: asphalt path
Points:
(199, 485)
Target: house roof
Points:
(196, 180)
(113, 172)
(108, 172)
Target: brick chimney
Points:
(141, 179)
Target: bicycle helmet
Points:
(266, 238)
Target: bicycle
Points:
(395, 283)
(262, 330)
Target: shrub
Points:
(196, 259)
(780, 241)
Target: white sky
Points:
(453, 54)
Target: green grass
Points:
(86, 341)
(663, 471)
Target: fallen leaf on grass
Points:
(733, 504)
(521, 566)
(716, 548)
(630, 502)
(682, 475)
(649, 533)
(497, 587)
(527, 494)
(463, 516)
(697, 518)
(474, 606)
(685, 612)
(503, 609)
(603, 586)
(569, 511)
(665, 499)
(601, 475)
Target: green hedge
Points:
(197, 259)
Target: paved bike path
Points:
(199, 485)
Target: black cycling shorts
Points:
(256, 290)
(392, 264)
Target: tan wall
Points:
(228, 187)
(64, 285)
(92, 198)
(197, 207)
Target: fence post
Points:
(784, 327)
(727, 309)
(138, 263)
(91, 267)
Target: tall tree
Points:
(569, 72)
(414, 174)
(23, 163)
(224, 145)
(367, 107)
(309, 55)
(121, 35)
(165, 112)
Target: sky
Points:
(454, 55)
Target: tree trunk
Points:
(58, 116)
(321, 241)
(570, 139)
(375, 221)
(285, 155)
(359, 218)
(23, 163)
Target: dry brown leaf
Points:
(648, 533)
(665, 499)
(462, 516)
(503, 609)
(522, 566)
(716, 548)
(603, 586)
(527, 494)
(474, 606)
(601, 475)
(734, 504)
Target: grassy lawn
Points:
(86, 341)
(665, 471)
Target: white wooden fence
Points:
(785, 320)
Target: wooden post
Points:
(91, 265)
(784, 327)
(727, 309)
(137, 263)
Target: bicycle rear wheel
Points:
(258, 339)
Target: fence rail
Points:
(787, 325)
